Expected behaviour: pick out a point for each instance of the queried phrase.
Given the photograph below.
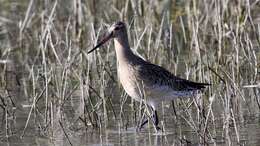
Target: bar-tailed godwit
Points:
(142, 80)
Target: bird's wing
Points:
(155, 75)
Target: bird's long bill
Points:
(103, 41)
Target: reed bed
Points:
(44, 66)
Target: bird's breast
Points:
(128, 80)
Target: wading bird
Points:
(142, 80)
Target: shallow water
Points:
(65, 128)
(176, 131)
(32, 116)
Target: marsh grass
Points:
(44, 64)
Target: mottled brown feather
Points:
(156, 75)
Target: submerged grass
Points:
(44, 65)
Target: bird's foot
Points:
(139, 127)
(154, 121)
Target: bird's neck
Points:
(124, 53)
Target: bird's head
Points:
(114, 31)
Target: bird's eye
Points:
(117, 28)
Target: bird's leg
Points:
(143, 123)
(155, 120)
(144, 120)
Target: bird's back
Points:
(155, 75)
